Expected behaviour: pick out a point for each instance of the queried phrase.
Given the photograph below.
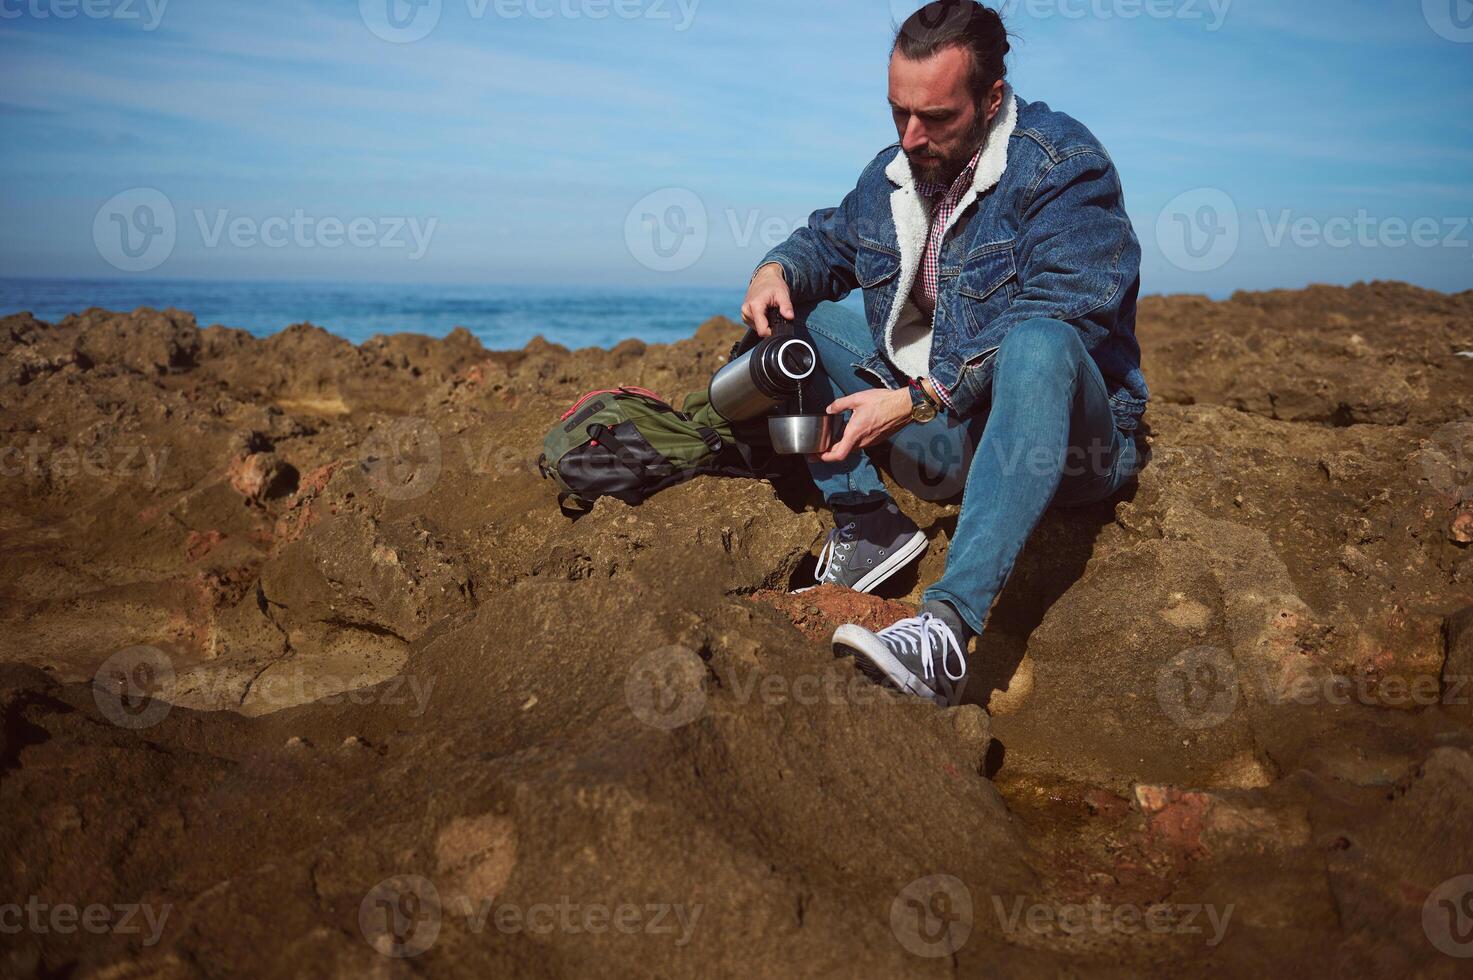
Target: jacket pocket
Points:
(987, 283)
(874, 265)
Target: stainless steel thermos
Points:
(768, 379)
(763, 378)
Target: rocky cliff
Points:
(300, 662)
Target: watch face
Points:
(922, 412)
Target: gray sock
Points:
(948, 615)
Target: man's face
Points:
(939, 124)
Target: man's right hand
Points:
(768, 289)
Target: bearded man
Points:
(997, 351)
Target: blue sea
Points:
(503, 317)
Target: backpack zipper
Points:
(641, 392)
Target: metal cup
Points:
(797, 435)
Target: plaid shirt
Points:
(929, 281)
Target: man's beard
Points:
(944, 170)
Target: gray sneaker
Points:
(868, 548)
(920, 656)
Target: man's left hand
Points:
(878, 414)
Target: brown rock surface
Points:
(298, 656)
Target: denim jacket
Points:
(1041, 233)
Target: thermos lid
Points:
(796, 359)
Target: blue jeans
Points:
(1048, 437)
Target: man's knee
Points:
(1040, 345)
(835, 323)
(840, 335)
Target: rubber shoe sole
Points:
(875, 659)
(908, 552)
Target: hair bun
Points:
(958, 23)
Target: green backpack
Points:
(629, 444)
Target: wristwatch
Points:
(922, 408)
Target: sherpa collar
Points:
(912, 215)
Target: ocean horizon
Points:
(500, 316)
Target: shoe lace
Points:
(835, 553)
(925, 636)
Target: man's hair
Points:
(963, 24)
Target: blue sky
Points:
(524, 141)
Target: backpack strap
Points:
(605, 437)
(712, 439)
(573, 505)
